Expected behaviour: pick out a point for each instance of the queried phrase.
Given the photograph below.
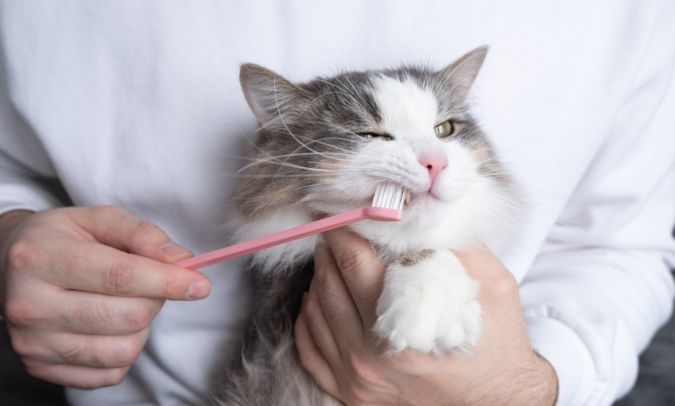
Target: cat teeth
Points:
(407, 198)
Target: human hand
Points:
(80, 287)
(338, 348)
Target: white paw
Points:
(431, 306)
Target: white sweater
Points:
(138, 104)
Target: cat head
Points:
(327, 143)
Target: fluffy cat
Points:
(322, 148)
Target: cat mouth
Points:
(419, 198)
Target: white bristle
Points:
(389, 196)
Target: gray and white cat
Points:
(322, 148)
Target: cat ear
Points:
(459, 76)
(267, 93)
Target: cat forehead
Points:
(405, 107)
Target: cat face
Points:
(327, 143)
(416, 142)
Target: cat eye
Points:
(385, 137)
(444, 129)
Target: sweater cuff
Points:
(566, 352)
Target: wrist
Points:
(532, 382)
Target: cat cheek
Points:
(449, 186)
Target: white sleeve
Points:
(27, 179)
(602, 286)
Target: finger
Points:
(312, 359)
(93, 267)
(480, 263)
(337, 306)
(114, 226)
(103, 352)
(76, 376)
(497, 283)
(318, 327)
(89, 313)
(48, 308)
(361, 271)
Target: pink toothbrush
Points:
(387, 206)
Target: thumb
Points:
(361, 270)
(114, 226)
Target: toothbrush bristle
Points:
(389, 196)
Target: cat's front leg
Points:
(429, 304)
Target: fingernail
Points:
(199, 290)
(174, 252)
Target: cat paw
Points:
(429, 306)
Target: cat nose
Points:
(434, 163)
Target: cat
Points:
(321, 149)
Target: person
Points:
(120, 124)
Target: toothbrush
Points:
(387, 205)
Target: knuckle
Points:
(504, 284)
(22, 254)
(22, 345)
(115, 376)
(351, 261)
(75, 354)
(168, 285)
(125, 354)
(119, 277)
(37, 370)
(21, 314)
(137, 318)
(144, 231)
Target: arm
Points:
(602, 286)
(593, 298)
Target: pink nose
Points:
(434, 163)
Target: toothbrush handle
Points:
(315, 227)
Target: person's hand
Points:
(338, 349)
(80, 287)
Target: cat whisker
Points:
(322, 173)
(244, 158)
(274, 160)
